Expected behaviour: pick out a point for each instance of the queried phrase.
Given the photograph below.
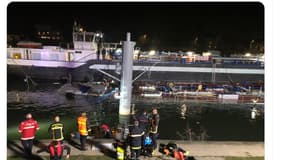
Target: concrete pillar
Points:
(126, 80)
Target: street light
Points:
(98, 36)
(247, 55)
(136, 52)
(207, 54)
(189, 53)
(151, 53)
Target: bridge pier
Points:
(126, 80)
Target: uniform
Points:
(56, 150)
(153, 132)
(82, 123)
(56, 130)
(135, 142)
(28, 129)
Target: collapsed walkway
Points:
(208, 150)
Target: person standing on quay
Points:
(135, 135)
(56, 130)
(153, 132)
(28, 129)
(143, 121)
(83, 125)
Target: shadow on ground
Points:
(42, 147)
(73, 143)
(19, 151)
(105, 150)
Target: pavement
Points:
(201, 150)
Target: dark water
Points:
(210, 121)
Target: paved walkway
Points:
(200, 150)
(209, 158)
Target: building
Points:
(48, 35)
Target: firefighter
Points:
(143, 121)
(136, 140)
(153, 131)
(143, 125)
(83, 125)
(120, 143)
(107, 133)
(171, 149)
(56, 148)
(28, 129)
(56, 130)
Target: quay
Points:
(197, 149)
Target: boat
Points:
(85, 62)
(56, 63)
(207, 92)
(94, 91)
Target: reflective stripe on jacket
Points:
(136, 138)
(57, 131)
(82, 126)
(28, 129)
(154, 123)
(120, 153)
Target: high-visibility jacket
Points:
(56, 129)
(120, 153)
(28, 129)
(82, 125)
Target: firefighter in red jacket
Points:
(28, 129)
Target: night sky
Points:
(167, 26)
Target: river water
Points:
(207, 121)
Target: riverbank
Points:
(103, 147)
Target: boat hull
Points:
(83, 73)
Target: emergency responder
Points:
(83, 126)
(143, 125)
(28, 129)
(143, 121)
(171, 149)
(153, 131)
(107, 133)
(135, 138)
(120, 144)
(56, 130)
(56, 148)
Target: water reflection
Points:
(187, 121)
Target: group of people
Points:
(28, 128)
(141, 137)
